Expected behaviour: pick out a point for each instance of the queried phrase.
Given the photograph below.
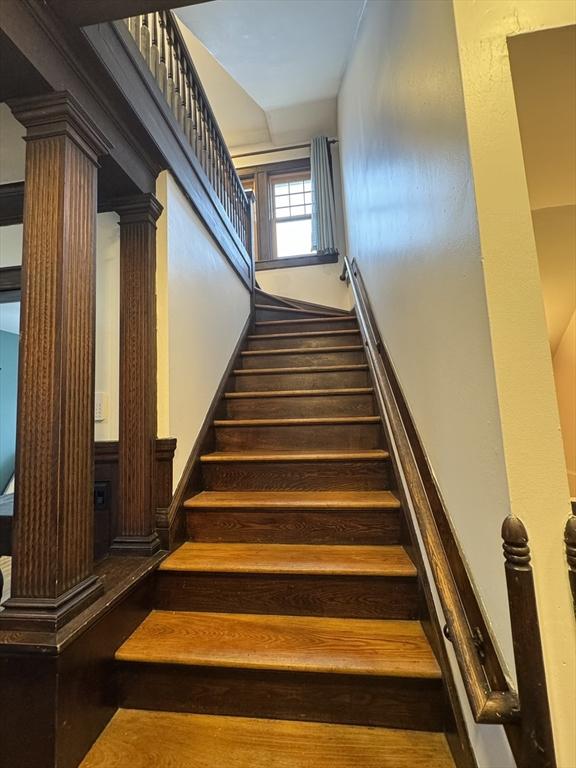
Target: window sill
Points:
(298, 261)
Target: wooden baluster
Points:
(170, 88)
(162, 76)
(570, 541)
(195, 118)
(52, 573)
(177, 105)
(154, 46)
(145, 38)
(189, 123)
(183, 95)
(537, 750)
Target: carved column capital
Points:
(59, 114)
(138, 209)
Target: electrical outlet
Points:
(100, 406)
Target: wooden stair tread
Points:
(303, 334)
(299, 393)
(303, 369)
(327, 319)
(302, 422)
(303, 311)
(140, 739)
(294, 499)
(283, 643)
(373, 455)
(300, 350)
(318, 559)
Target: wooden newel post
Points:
(537, 750)
(52, 576)
(135, 531)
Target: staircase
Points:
(286, 629)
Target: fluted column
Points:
(135, 529)
(52, 575)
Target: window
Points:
(292, 215)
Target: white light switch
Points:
(100, 406)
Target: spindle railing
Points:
(166, 54)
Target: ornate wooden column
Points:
(137, 451)
(52, 576)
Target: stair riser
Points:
(295, 327)
(310, 406)
(255, 382)
(300, 438)
(307, 342)
(297, 476)
(300, 360)
(361, 700)
(283, 314)
(356, 597)
(295, 527)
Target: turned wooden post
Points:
(537, 748)
(52, 574)
(135, 529)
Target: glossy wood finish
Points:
(135, 527)
(283, 643)
(351, 401)
(290, 559)
(11, 203)
(169, 740)
(343, 433)
(327, 500)
(336, 323)
(320, 376)
(537, 741)
(304, 340)
(53, 532)
(286, 358)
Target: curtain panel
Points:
(323, 211)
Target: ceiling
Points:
(284, 60)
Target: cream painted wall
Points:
(528, 412)
(411, 224)
(202, 308)
(565, 378)
(320, 284)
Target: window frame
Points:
(279, 178)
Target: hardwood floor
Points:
(294, 599)
(139, 739)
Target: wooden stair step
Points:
(272, 312)
(283, 643)
(300, 403)
(295, 517)
(283, 323)
(299, 422)
(360, 582)
(304, 339)
(325, 500)
(298, 357)
(141, 739)
(296, 325)
(296, 470)
(301, 377)
(323, 560)
(349, 391)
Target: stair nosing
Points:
(300, 350)
(276, 456)
(328, 319)
(303, 422)
(271, 307)
(315, 500)
(304, 334)
(267, 393)
(303, 369)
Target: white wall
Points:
(319, 284)
(411, 224)
(202, 308)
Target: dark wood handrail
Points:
(534, 748)
(165, 51)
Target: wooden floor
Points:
(139, 739)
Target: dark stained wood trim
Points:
(10, 284)
(537, 743)
(298, 261)
(170, 522)
(116, 48)
(277, 168)
(90, 12)
(570, 541)
(11, 203)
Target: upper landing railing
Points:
(164, 50)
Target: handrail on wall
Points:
(535, 748)
(163, 48)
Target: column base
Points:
(47, 614)
(135, 545)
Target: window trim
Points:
(273, 180)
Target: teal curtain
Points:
(323, 213)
